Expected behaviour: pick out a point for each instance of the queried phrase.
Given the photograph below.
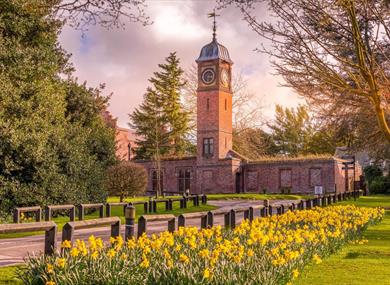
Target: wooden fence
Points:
(206, 218)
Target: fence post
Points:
(282, 209)
(81, 212)
(141, 226)
(47, 213)
(263, 212)
(51, 240)
(232, 218)
(210, 219)
(167, 205)
(130, 222)
(72, 214)
(270, 211)
(116, 229)
(181, 221)
(227, 220)
(16, 216)
(108, 210)
(154, 206)
(251, 214)
(182, 203)
(203, 222)
(67, 233)
(38, 215)
(171, 225)
(150, 205)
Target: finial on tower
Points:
(214, 15)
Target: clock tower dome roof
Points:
(214, 50)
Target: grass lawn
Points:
(357, 264)
(8, 275)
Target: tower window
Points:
(208, 146)
(208, 104)
(225, 104)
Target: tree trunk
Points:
(383, 125)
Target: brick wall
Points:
(299, 176)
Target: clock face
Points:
(225, 78)
(208, 76)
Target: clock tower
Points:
(214, 103)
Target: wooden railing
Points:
(49, 211)
(206, 218)
(50, 229)
(36, 210)
(70, 227)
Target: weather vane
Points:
(214, 15)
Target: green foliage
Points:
(126, 179)
(160, 120)
(371, 172)
(380, 185)
(294, 132)
(377, 183)
(54, 148)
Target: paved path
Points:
(13, 251)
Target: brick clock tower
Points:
(214, 118)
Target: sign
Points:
(318, 190)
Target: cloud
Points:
(126, 59)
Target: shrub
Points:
(380, 185)
(126, 179)
(371, 172)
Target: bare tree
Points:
(106, 13)
(336, 54)
(247, 107)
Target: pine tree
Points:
(160, 121)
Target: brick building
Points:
(217, 168)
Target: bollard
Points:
(282, 209)
(130, 222)
(270, 210)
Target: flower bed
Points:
(269, 250)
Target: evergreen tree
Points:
(160, 121)
(294, 132)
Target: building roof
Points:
(298, 159)
(214, 50)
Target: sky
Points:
(124, 59)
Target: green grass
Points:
(8, 275)
(255, 196)
(357, 264)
